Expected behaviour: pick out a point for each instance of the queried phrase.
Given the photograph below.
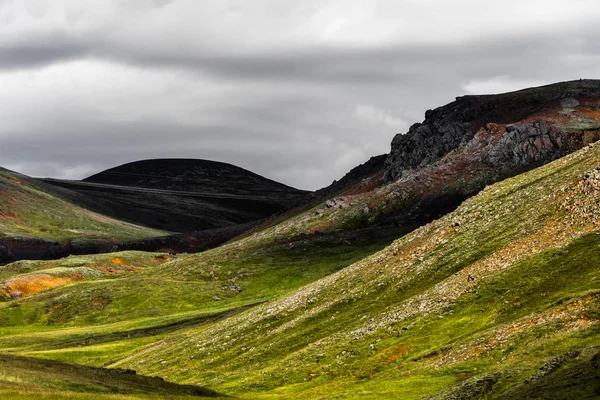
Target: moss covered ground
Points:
(498, 299)
(473, 304)
(27, 210)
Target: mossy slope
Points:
(490, 292)
(121, 302)
(28, 210)
(22, 378)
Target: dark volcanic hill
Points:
(192, 175)
(182, 195)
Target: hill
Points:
(495, 300)
(182, 195)
(457, 151)
(37, 222)
(30, 378)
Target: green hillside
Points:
(30, 378)
(493, 299)
(28, 210)
(97, 309)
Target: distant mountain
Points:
(193, 175)
(182, 195)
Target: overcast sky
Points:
(298, 91)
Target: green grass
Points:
(409, 320)
(33, 378)
(105, 318)
(27, 210)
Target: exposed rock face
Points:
(525, 144)
(425, 143)
(454, 125)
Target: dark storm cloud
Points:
(39, 51)
(141, 79)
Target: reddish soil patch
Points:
(18, 182)
(119, 261)
(394, 353)
(35, 283)
(5, 215)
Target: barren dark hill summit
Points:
(193, 175)
(182, 195)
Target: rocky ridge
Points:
(451, 126)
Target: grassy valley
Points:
(107, 306)
(464, 265)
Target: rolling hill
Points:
(491, 301)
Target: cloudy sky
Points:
(299, 91)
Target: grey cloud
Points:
(373, 66)
(41, 50)
(291, 116)
(71, 143)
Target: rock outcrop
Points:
(454, 125)
(523, 144)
